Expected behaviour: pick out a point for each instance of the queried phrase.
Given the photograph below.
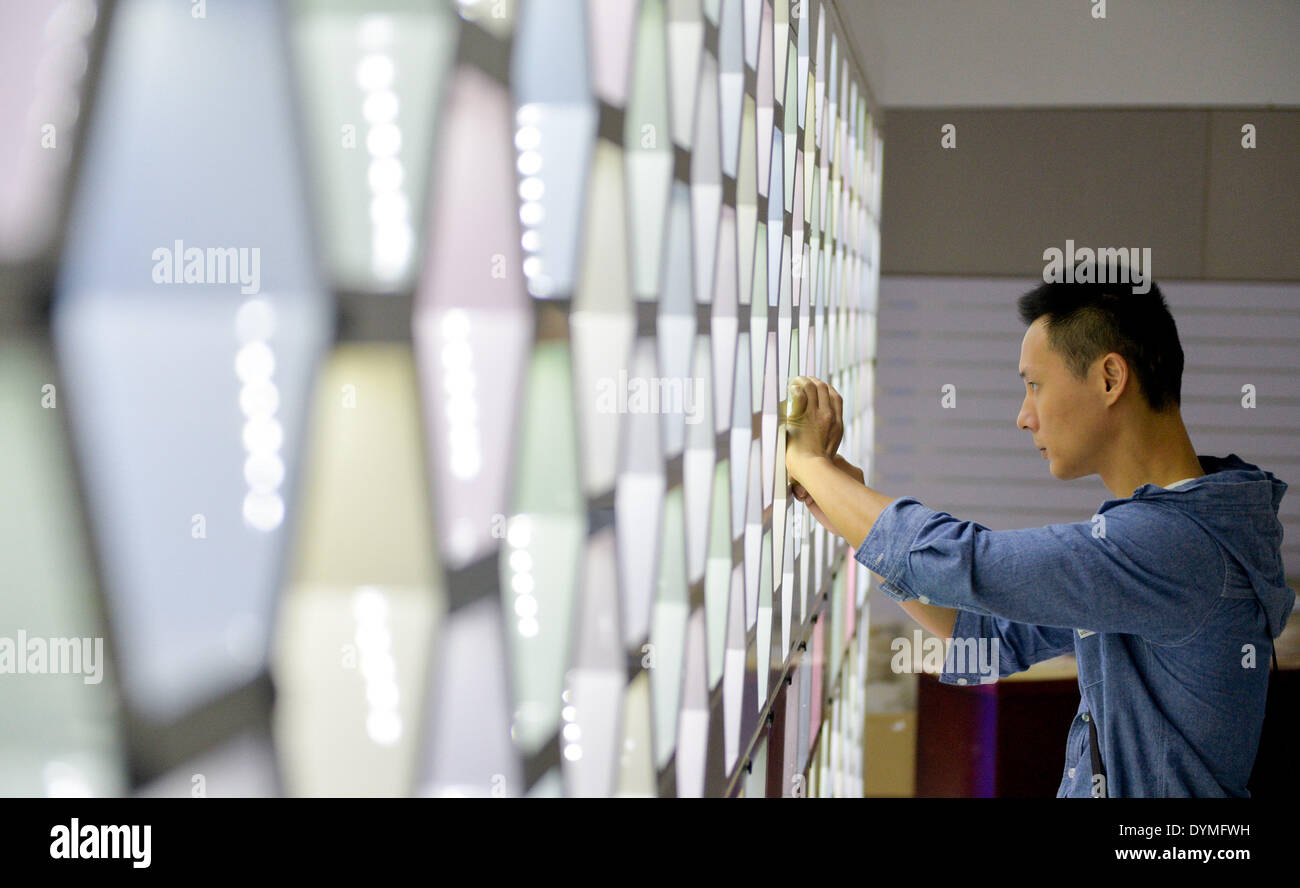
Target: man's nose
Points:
(1023, 419)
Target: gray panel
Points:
(1253, 216)
(1021, 181)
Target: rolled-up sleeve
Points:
(1018, 646)
(1144, 570)
(885, 549)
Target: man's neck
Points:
(1158, 452)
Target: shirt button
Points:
(923, 599)
(1071, 772)
(1085, 716)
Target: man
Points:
(1169, 597)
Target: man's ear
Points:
(1114, 372)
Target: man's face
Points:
(1065, 415)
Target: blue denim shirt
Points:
(1169, 599)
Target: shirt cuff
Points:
(885, 550)
(982, 660)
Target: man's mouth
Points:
(1043, 451)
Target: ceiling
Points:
(1012, 53)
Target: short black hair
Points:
(1088, 320)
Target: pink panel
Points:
(473, 319)
(42, 60)
(609, 36)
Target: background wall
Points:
(1019, 181)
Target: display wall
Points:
(419, 372)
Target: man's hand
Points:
(817, 429)
(804, 497)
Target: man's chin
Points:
(1064, 471)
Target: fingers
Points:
(837, 431)
(831, 405)
(811, 394)
(821, 405)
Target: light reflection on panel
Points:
(243, 767)
(824, 764)
(799, 252)
(540, 562)
(676, 325)
(188, 324)
(467, 749)
(473, 322)
(781, 498)
(495, 16)
(733, 669)
(802, 545)
(742, 434)
(756, 780)
(771, 403)
(788, 720)
(636, 764)
(804, 681)
(725, 321)
(603, 322)
(764, 98)
(832, 98)
(758, 319)
(697, 463)
(693, 728)
(57, 732)
(706, 180)
(731, 81)
(775, 222)
(803, 25)
(44, 56)
(549, 786)
(818, 664)
(790, 128)
(685, 46)
(752, 17)
(369, 77)
(638, 505)
(590, 736)
(365, 593)
(753, 533)
(807, 158)
(612, 32)
(819, 75)
(717, 578)
(764, 617)
(780, 33)
(790, 618)
(783, 322)
(668, 632)
(556, 126)
(747, 201)
(649, 150)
